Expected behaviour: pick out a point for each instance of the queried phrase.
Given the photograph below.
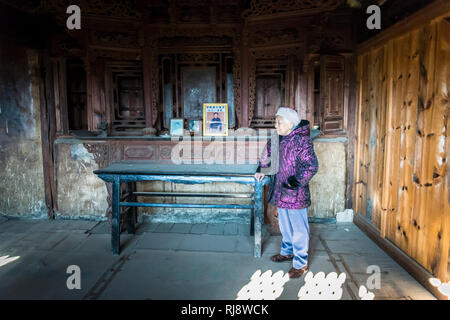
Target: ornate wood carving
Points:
(198, 41)
(99, 8)
(196, 11)
(119, 55)
(115, 39)
(335, 41)
(198, 57)
(272, 37)
(197, 31)
(141, 152)
(281, 52)
(165, 152)
(100, 151)
(268, 8)
(198, 49)
(66, 45)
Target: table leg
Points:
(131, 217)
(252, 222)
(115, 227)
(257, 212)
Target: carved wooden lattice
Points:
(174, 71)
(271, 7)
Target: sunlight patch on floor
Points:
(321, 287)
(266, 286)
(7, 259)
(443, 287)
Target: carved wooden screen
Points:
(127, 96)
(190, 79)
(332, 93)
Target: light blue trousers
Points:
(294, 228)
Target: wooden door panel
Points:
(332, 93)
(268, 93)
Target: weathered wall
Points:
(79, 192)
(401, 162)
(328, 185)
(21, 168)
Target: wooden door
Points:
(332, 93)
(268, 92)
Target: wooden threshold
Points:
(410, 265)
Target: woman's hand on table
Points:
(259, 176)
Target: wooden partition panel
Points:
(401, 155)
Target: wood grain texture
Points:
(401, 165)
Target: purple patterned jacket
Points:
(289, 188)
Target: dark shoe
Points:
(297, 273)
(281, 258)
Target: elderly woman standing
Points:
(289, 188)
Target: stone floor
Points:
(180, 261)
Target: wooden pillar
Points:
(60, 94)
(109, 99)
(301, 92)
(48, 130)
(308, 83)
(244, 78)
(290, 99)
(95, 93)
(90, 107)
(148, 69)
